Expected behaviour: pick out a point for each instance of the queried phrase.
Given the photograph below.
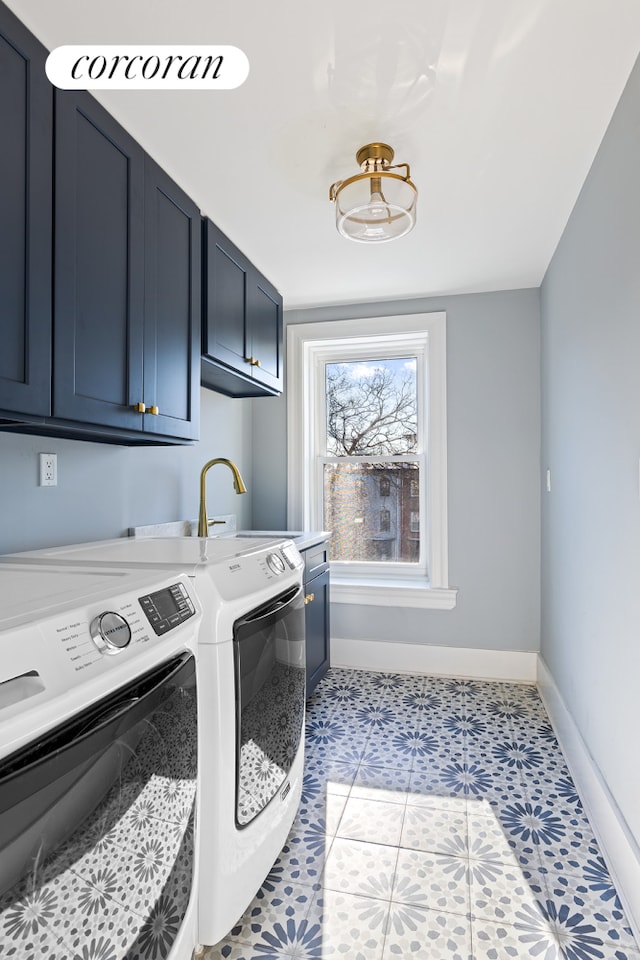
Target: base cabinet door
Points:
(26, 121)
(317, 628)
(317, 608)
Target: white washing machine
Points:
(98, 763)
(251, 675)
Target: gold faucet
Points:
(238, 483)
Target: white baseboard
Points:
(437, 661)
(620, 849)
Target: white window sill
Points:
(396, 593)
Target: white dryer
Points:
(251, 679)
(98, 763)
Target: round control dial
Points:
(275, 563)
(110, 632)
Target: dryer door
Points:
(269, 653)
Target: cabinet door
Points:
(317, 628)
(225, 283)
(242, 326)
(264, 330)
(172, 307)
(26, 113)
(98, 266)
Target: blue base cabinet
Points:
(317, 608)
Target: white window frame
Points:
(306, 343)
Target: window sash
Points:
(305, 342)
(373, 349)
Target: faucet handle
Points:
(212, 523)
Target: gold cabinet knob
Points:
(310, 597)
(139, 407)
(253, 361)
(153, 410)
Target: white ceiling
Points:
(499, 106)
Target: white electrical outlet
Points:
(48, 470)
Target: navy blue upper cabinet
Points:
(26, 112)
(173, 264)
(98, 266)
(126, 281)
(242, 322)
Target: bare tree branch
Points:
(370, 415)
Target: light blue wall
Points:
(493, 370)
(103, 489)
(591, 442)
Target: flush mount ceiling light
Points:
(375, 205)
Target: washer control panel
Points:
(275, 563)
(166, 609)
(291, 555)
(110, 632)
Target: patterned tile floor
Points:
(438, 820)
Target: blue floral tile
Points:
(300, 863)
(432, 880)
(381, 783)
(271, 906)
(566, 925)
(329, 811)
(382, 750)
(608, 918)
(394, 684)
(432, 830)
(592, 876)
(487, 838)
(417, 932)
(366, 869)
(327, 775)
(445, 779)
(422, 704)
(504, 941)
(438, 820)
(499, 892)
(288, 938)
(373, 821)
(345, 749)
(353, 927)
(374, 717)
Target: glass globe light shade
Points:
(376, 209)
(376, 205)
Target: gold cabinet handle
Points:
(139, 408)
(310, 597)
(153, 410)
(253, 361)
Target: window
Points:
(385, 521)
(368, 450)
(367, 454)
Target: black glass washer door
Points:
(97, 826)
(269, 650)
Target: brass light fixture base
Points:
(377, 152)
